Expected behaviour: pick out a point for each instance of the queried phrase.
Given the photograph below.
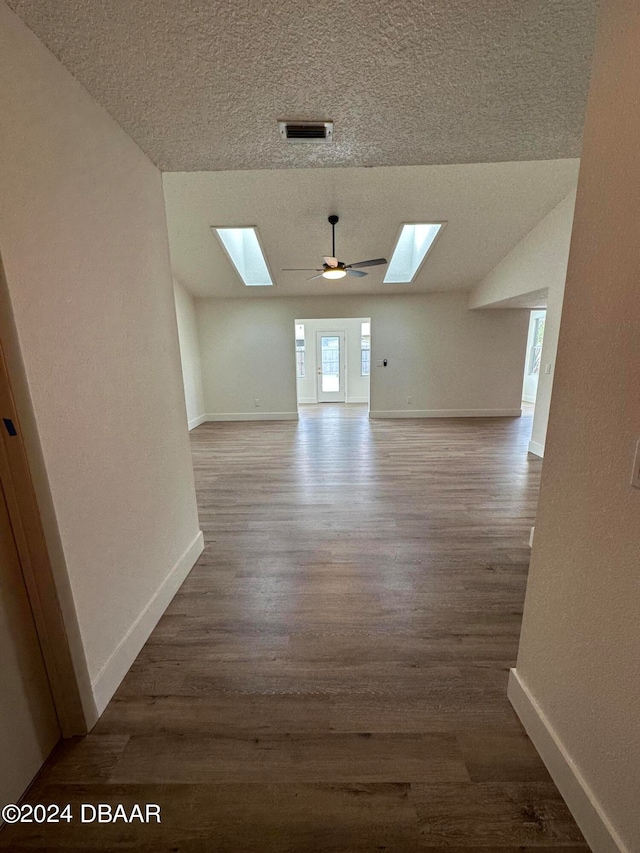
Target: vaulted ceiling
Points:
(488, 208)
(200, 84)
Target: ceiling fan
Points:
(332, 267)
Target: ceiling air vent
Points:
(306, 131)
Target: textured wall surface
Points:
(84, 245)
(580, 645)
(200, 85)
(441, 354)
(539, 260)
(189, 353)
(488, 208)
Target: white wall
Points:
(189, 354)
(357, 385)
(537, 263)
(448, 359)
(577, 685)
(84, 244)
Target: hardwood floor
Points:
(332, 675)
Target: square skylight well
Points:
(414, 242)
(245, 253)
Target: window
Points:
(414, 242)
(536, 348)
(300, 353)
(365, 349)
(243, 248)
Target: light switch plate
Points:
(635, 475)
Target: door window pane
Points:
(330, 348)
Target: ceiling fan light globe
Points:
(333, 273)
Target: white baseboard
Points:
(108, 679)
(306, 401)
(582, 802)
(528, 398)
(197, 421)
(536, 448)
(358, 400)
(447, 413)
(253, 416)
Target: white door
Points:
(330, 367)
(28, 724)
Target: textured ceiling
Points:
(199, 84)
(488, 208)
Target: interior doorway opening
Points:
(533, 360)
(333, 360)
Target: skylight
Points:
(243, 248)
(414, 242)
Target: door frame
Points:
(67, 673)
(342, 370)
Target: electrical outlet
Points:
(635, 474)
(256, 401)
(409, 399)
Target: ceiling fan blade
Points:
(299, 269)
(315, 276)
(331, 262)
(356, 272)
(374, 263)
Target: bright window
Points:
(536, 348)
(365, 349)
(414, 242)
(300, 351)
(244, 250)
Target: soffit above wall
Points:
(199, 85)
(488, 208)
(533, 300)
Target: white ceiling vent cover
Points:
(306, 131)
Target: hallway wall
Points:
(189, 354)
(577, 683)
(537, 263)
(449, 360)
(84, 244)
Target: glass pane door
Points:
(330, 348)
(330, 367)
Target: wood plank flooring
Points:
(332, 675)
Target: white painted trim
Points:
(528, 398)
(108, 679)
(197, 421)
(305, 401)
(536, 448)
(253, 416)
(448, 413)
(581, 800)
(358, 400)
